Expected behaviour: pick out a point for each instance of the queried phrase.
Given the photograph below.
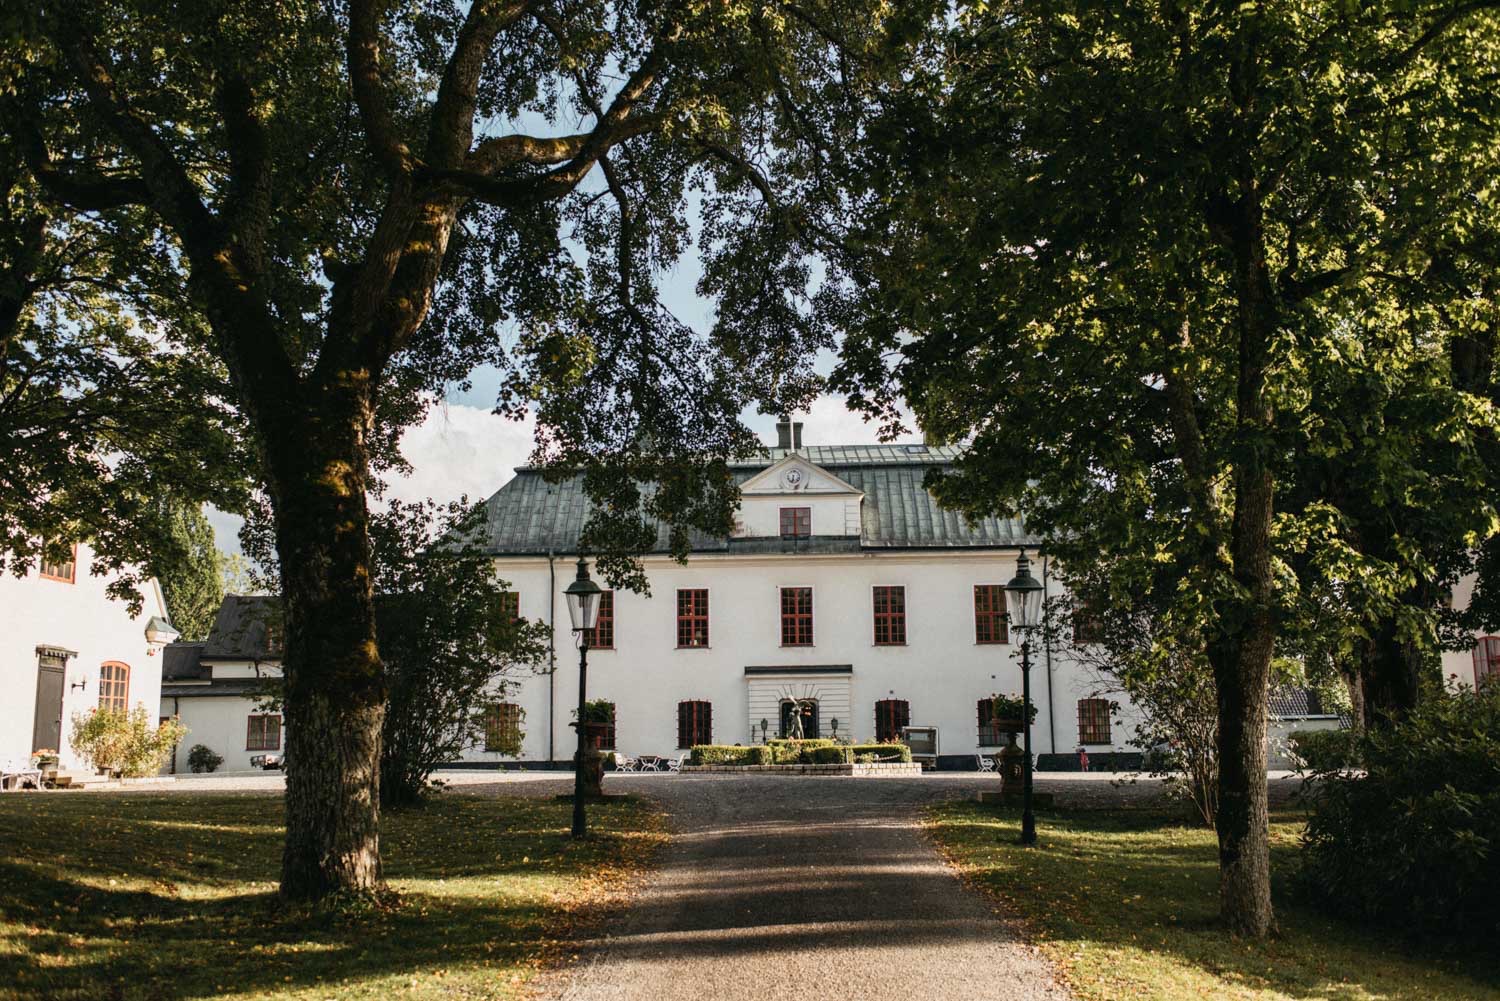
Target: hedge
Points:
(882, 752)
(727, 754)
(1325, 750)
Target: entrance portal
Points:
(807, 709)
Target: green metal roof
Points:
(529, 516)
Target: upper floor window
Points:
(1088, 627)
(891, 716)
(692, 617)
(263, 733)
(695, 723)
(1486, 659)
(114, 686)
(796, 616)
(890, 616)
(990, 622)
(602, 636)
(502, 728)
(510, 604)
(1093, 721)
(796, 522)
(63, 570)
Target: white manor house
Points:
(844, 585)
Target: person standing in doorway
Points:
(1083, 758)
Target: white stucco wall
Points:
(940, 671)
(219, 723)
(75, 616)
(1458, 665)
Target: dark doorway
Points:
(46, 727)
(809, 710)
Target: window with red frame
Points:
(1487, 660)
(695, 723)
(1093, 721)
(263, 733)
(796, 522)
(502, 727)
(890, 616)
(991, 625)
(602, 636)
(114, 686)
(891, 715)
(796, 616)
(692, 617)
(63, 570)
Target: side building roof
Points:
(241, 629)
(529, 516)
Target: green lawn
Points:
(1125, 904)
(174, 896)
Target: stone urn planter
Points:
(1012, 761)
(592, 765)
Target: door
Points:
(46, 727)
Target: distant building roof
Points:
(1295, 703)
(529, 516)
(244, 629)
(181, 662)
(222, 688)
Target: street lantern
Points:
(583, 609)
(583, 599)
(1025, 594)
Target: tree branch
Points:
(248, 205)
(86, 192)
(362, 50)
(452, 128)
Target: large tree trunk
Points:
(1390, 676)
(334, 685)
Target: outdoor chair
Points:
(13, 772)
(625, 763)
(674, 764)
(650, 764)
(985, 764)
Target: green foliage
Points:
(597, 711)
(826, 756)
(123, 742)
(1326, 750)
(785, 751)
(1010, 707)
(727, 754)
(1411, 842)
(204, 759)
(447, 639)
(880, 752)
(187, 564)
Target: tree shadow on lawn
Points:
(477, 906)
(1143, 885)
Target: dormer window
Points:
(796, 522)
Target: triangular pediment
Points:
(796, 475)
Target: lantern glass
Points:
(583, 599)
(1025, 594)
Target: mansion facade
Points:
(845, 589)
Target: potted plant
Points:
(1006, 713)
(598, 718)
(45, 759)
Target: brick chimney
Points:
(788, 434)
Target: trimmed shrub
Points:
(123, 742)
(726, 754)
(1325, 750)
(881, 752)
(204, 759)
(1411, 843)
(827, 756)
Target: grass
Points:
(1125, 904)
(174, 896)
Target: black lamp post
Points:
(1025, 593)
(583, 609)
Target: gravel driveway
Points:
(804, 887)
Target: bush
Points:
(724, 754)
(203, 759)
(796, 752)
(881, 752)
(1325, 750)
(827, 756)
(123, 743)
(1411, 843)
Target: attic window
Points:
(796, 522)
(916, 449)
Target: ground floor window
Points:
(114, 686)
(1486, 659)
(694, 723)
(890, 716)
(990, 734)
(807, 709)
(263, 733)
(1093, 721)
(502, 728)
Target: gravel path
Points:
(807, 887)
